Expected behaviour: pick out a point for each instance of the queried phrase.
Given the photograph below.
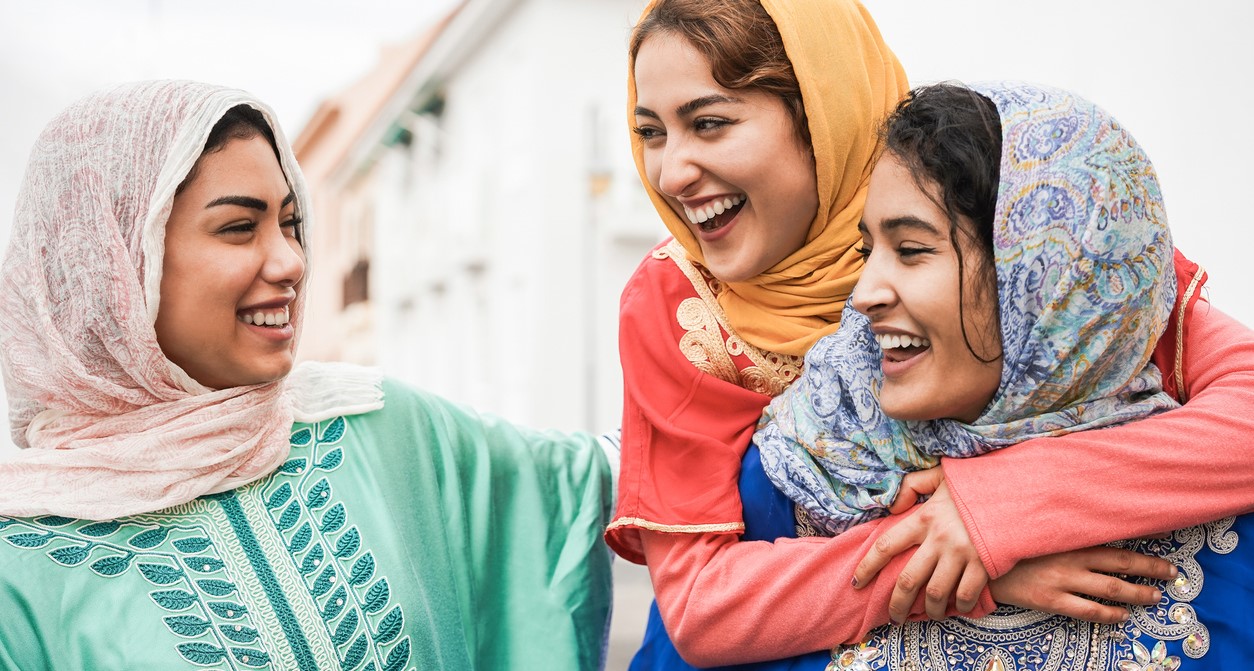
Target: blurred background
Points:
(477, 210)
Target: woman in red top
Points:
(757, 161)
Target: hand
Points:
(946, 559)
(914, 485)
(1059, 583)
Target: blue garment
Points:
(768, 515)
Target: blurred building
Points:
(478, 212)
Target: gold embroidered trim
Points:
(1184, 306)
(676, 528)
(705, 322)
(805, 525)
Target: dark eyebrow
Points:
(644, 111)
(697, 103)
(242, 201)
(249, 202)
(907, 221)
(689, 107)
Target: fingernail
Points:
(1174, 571)
(854, 582)
(1158, 596)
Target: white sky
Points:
(1177, 75)
(290, 53)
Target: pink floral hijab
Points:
(111, 426)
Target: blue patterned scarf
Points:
(1084, 285)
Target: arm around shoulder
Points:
(771, 600)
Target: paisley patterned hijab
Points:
(111, 426)
(849, 80)
(1084, 286)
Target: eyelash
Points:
(700, 125)
(914, 251)
(646, 132)
(907, 252)
(708, 124)
(250, 226)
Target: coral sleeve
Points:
(684, 431)
(1183, 467)
(773, 600)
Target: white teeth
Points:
(897, 341)
(704, 214)
(260, 318)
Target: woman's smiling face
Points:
(728, 161)
(941, 343)
(232, 270)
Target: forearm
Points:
(726, 601)
(1183, 467)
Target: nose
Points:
(679, 170)
(284, 257)
(874, 292)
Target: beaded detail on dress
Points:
(1014, 639)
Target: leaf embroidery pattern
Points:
(189, 579)
(355, 605)
(203, 605)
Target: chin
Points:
(905, 412)
(729, 272)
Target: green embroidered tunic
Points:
(419, 536)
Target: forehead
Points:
(893, 193)
(249, 164)
(668, 65)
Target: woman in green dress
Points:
(189, 497)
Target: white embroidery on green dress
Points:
(265, 574)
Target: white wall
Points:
(1176, 75)
(498, 275)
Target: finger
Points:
(906, 498)
(974, 578)
(1127, 562)
(942, 584)
(891, 543)
(1080, 608)
(913, 577)
(914, 485)
(1113, 589)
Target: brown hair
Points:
(741, 42)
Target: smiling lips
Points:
(715, 214)
(898, 348)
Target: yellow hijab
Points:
(850, 81)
